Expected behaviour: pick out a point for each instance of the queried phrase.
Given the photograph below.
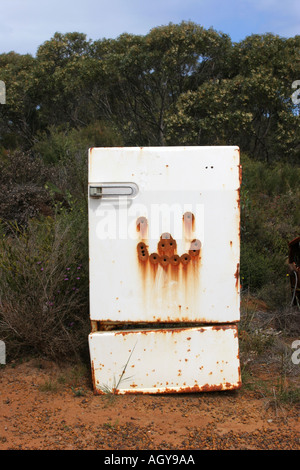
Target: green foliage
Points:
(252, 112)
(44, 286)
(63, 145)
(270, 215)
(178, 84)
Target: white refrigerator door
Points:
(164, 234)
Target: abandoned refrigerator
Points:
(164, 244)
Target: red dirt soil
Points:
(47, 407)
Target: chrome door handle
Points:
(113, 190)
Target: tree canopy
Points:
(178, 84)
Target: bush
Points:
(23, 192)
(44, 286)
(270, 215)
(61, 145)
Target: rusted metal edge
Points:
(163, 391)
(161, 326)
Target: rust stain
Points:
(221, 327)
(154, 258)
(238, 200)
(167, 390)
(195, 248)
(185, 259)
(142, 250)
(188, 224)
(165, 273)
(93, 377)
(240, 174)
(142, 227)
(175, 260)
(164, 260)
(120, 326)
(167, 247)
(237, 275)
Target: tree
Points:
(18, 117)
(61, 70)
(251, 108)
(149, 73)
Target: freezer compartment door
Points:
(165, 361)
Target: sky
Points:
(26, 24)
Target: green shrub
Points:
(270, 214)
(44, 286)
(59, 145)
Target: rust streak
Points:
(195, 248)
(237, 275)
(167, 390)
(188, 224)
(142, 227)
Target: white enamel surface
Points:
(171, 181)
(162, 361)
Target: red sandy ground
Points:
(44, 406)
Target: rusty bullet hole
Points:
(142, 251)
(167, 245)
(154, 258)
(175, 260)
(164, 260)
(195, 248)
(193, 253)
(185, 259)
(141, 246)
(173, 244)
(166, 251)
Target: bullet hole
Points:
(154, 258)
(164, 260)
(175, 260)
(195, 248)
(185, 259)
(142, 251)
(167, 246)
